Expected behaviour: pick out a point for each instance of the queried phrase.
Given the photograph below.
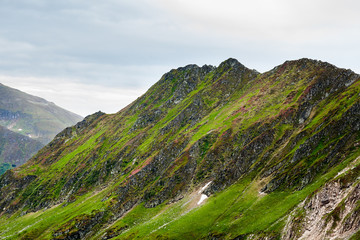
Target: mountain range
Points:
(15, 149)
(33, 116)
(27, 123)
(207, 152)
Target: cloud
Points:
(83, 99)
(249, 19)
(264, 33)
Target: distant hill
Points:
(33, 116)
(15, 149)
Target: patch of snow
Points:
(20, 129)
(177, 101)
(349, 83)
(343, 171)
(351, 167)
(261, 193)
(202, 198)
(204, 187)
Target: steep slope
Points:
(33, 116)
(207, 153)
(15, 149)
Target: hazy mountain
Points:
(15, 149)
(207, 153)
(33, 116)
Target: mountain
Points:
(206, 153)
(15, 149)
(33, 116)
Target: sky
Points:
(89, 55)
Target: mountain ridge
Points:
(254, 146)
(32, 116)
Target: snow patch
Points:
(202, 198)
(351, 82)
(262, 193)
(351, 167)
(204, 187)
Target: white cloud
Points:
(83, 99)
(251, 19)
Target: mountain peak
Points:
(189, 67)
(230, 63)
(304, 63)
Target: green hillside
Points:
(206, 153)
(33, 116)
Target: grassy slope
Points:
(240, 209)
(237, 210)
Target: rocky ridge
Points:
(331, 213)
(264, 145)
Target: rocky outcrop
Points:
(79, 227)
(331, 213)
(73, 131)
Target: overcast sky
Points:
(89, 55)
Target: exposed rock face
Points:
(332, 213)
(71, 132)
(258, 138)
(80, 227)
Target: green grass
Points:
(61, 164)
(43, 222)
(237, 210)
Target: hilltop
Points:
(207, 152)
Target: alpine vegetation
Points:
(206, 153)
